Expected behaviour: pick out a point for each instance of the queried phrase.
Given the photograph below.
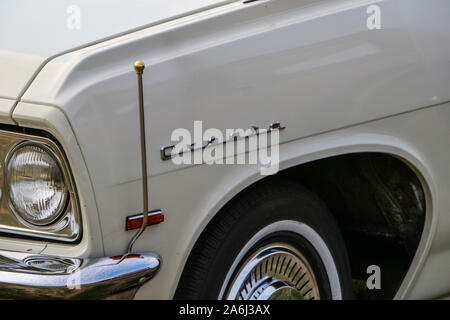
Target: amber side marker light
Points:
(135, 221)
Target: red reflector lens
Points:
(135, 222)
(130, 256)
(155, 219)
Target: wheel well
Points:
(379, 204)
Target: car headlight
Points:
(38, 198)
(37, 190)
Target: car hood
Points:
(33, 32)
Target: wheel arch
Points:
(302, 152)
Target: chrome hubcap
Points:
(275, 272)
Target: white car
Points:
(295, 149)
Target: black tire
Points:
(262, 205)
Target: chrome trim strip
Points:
(25, 276)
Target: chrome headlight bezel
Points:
(66, 227)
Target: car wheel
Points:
(275, 241)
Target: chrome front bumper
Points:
(31, 276)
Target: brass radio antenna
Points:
(139, 67)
